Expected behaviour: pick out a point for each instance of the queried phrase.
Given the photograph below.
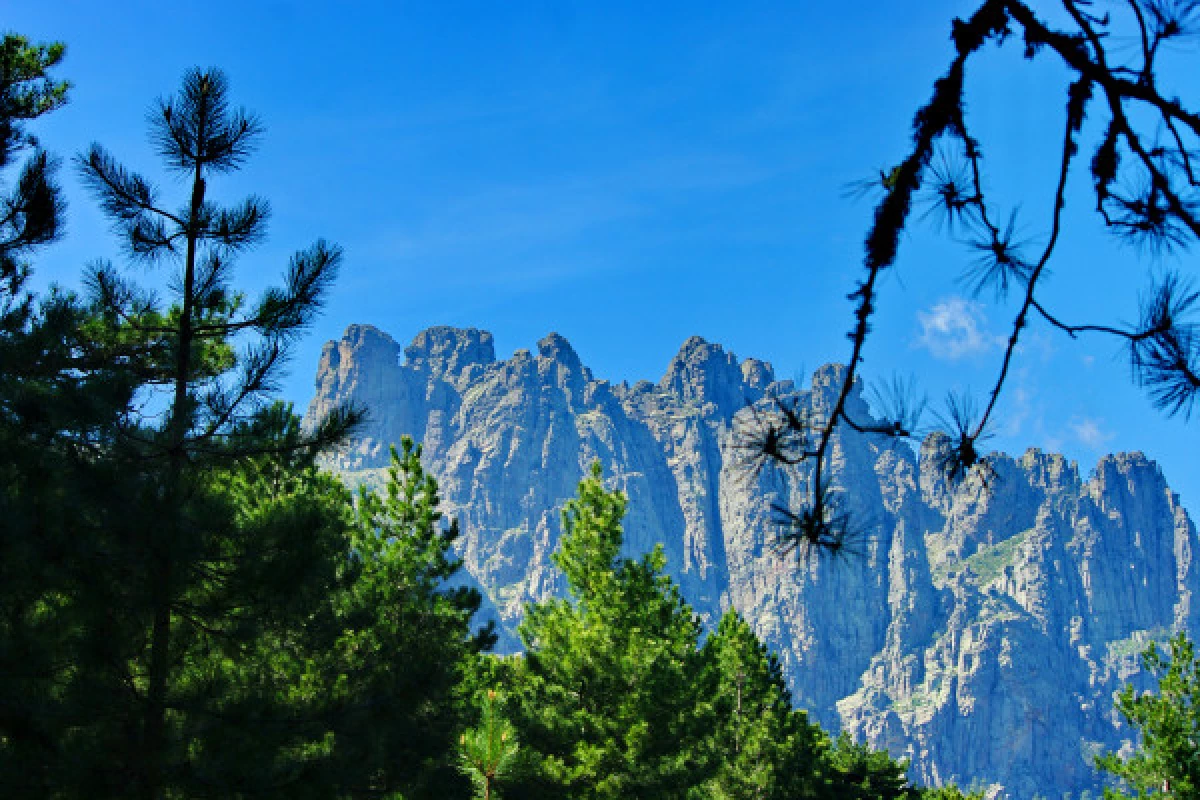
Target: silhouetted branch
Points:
(1142, 184)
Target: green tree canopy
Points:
(200, 576)
(860, 773)
(1167, 760)
(395, 671)
(764, 748)
(613, 698)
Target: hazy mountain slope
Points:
(982, 634)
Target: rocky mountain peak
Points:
(555, 347)
(827, 381)
(360, 364)
(829, 377)
(368, 343)
(443, 350)
(704, 373)
(757, 374)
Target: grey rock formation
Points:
(981, 633)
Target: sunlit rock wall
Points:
(980, 632)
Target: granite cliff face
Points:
(980, 633)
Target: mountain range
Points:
(979, 630)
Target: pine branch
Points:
(1153, 212)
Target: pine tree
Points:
(393, 676)
(612, 698)
(1168, 756)
(765, 749)
(192, 577)
(190, 606)
(31, 212)
(249, 712)
(860, 773)
(60, 397)
(489, 751)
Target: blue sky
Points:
(627, 174)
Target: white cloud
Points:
(1089, 432)
(954, 328)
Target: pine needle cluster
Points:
(1145, 190)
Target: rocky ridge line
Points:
(982, 634)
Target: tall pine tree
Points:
(394, 673)
(613, 697)
(193, 575)
(765, 749)
(61, 397)
(188, 606)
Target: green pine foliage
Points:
(404, 642)
(33, 206)
(247, 715)
(857, 772)
(1167, 761)
(488, 752)
(198, 574)
(246, 604)
(860, 773)
(764, 748)
(189, 607)
(613, 698)
(61, 398)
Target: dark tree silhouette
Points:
(207, 362)
(31, 211)
(1145, 189)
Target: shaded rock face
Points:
(979, 632)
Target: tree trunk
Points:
(161, 559)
